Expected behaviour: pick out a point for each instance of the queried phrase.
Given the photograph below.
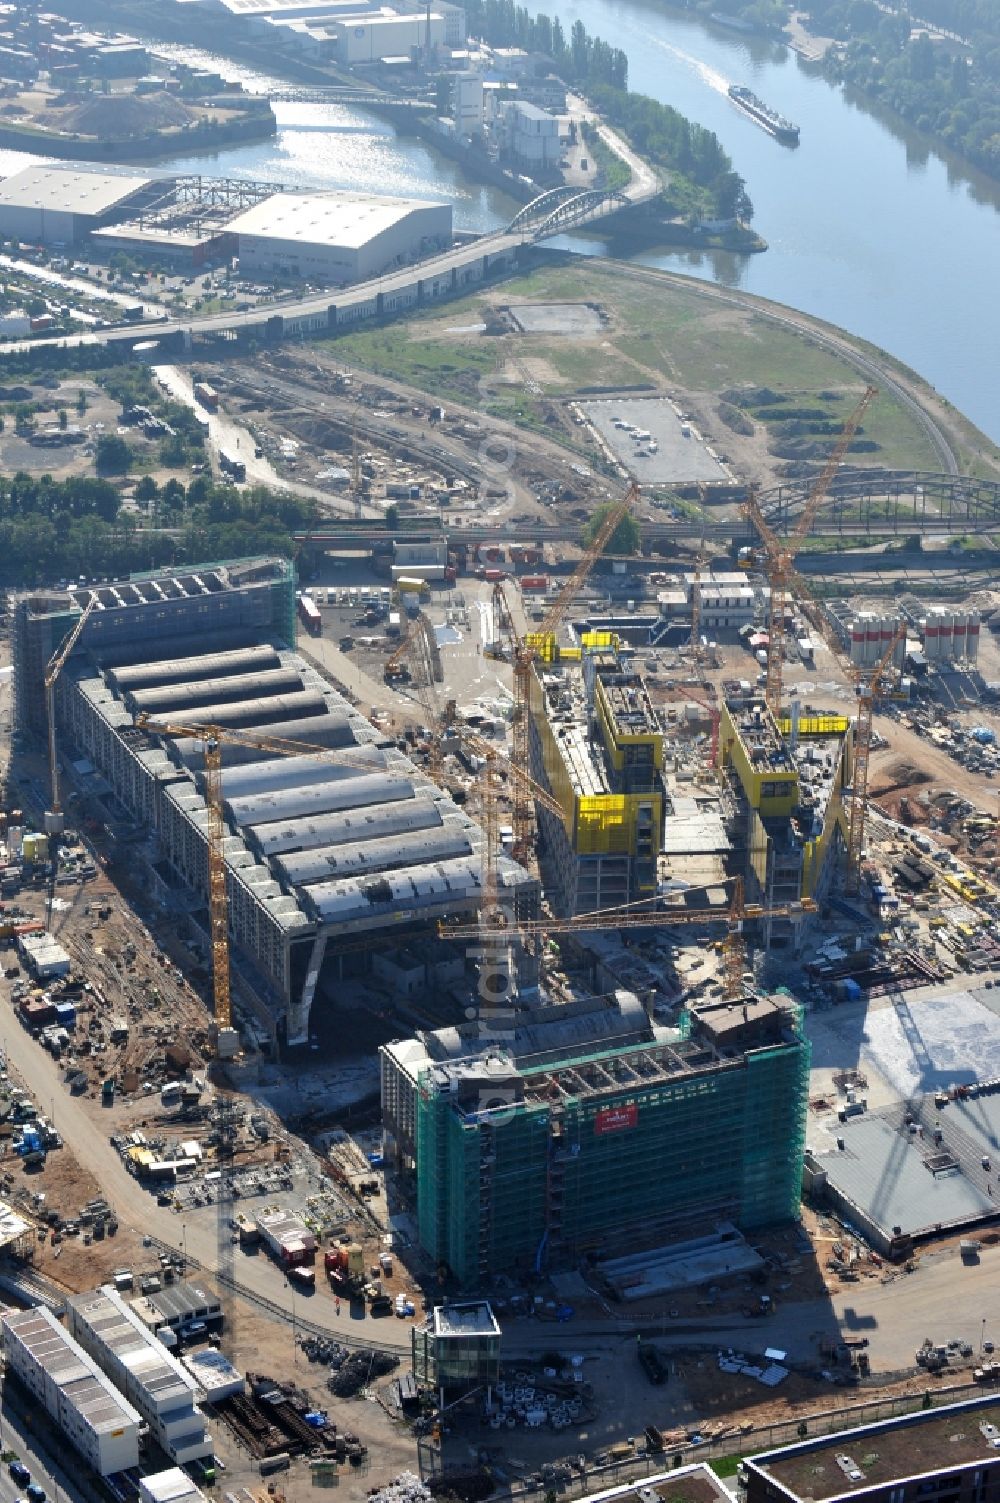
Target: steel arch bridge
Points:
(563, 208)
(540, 208)
(594, 203)
(885, 502)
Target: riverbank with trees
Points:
(936, 66)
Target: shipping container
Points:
(534, 583)
(206, 395)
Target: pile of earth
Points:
(899, 774)
(119, 115)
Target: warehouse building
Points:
(337, 237)
(321, 850)
(140, 1366)
(596, 1130)
(55, 204)
(87, 1409)
(597, 746)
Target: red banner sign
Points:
(616, 1119)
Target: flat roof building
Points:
(141, 1367)
(948, 1453)
(58, 204)
(180, 1302)
(458, 1347)
(88, 1410)
(320, 851)
(552, 1141)
(172, 1486)
(337, 237)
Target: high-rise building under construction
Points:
(600, 1131)
(597, 746)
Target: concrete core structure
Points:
(597, 746)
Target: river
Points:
(868, 228)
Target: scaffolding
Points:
(597, 1152)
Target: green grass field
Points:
(671, 337)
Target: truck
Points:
(234, 468)
(309, 615)
(206, 395)
(107, 1092)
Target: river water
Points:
(867, 227)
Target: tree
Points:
(624, 539)
(81, 401)
(63, 417)
(113, 457)
(146, 489)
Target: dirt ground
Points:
(257, 1343)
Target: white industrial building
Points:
(467, 103)
(264, 17)
(171, 1486)
(87, 1408)
(727, 600)
(528, 133)
(44, 957)
(141, 1367)
(54, 204)
(337, 237)
(371, 38)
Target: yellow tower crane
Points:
(640, 915)
(213, 738)
(54, 818)
(524, 651)
(781, 554)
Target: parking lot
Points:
(654, 441)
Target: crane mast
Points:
(54, 821)
(525, 650)
(781, 555)
(862, 755)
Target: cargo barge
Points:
(783, 130)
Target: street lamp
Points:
(982, 1335)
(184, 1243)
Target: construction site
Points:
(432, 971)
